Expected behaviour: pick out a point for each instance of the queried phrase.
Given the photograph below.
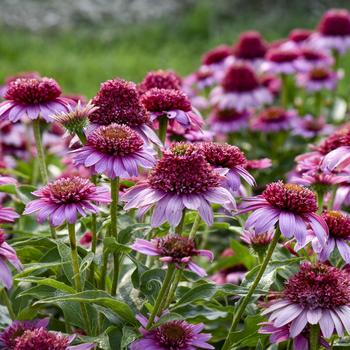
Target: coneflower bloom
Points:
(319, 78)
(254, 164)
(339, 235)
(7, 254)
(203, 78)
(161, 79)
(116, 151)
(257, 241)
(34, 98)
(311, 58)
(174, 335)
(317, 294)
(308, 126)
(250, 48)
(291, 206)
(118, 102)
(172, 104)
(342, 195)
(272, 82)
(174, 249)
(281, 61)
(173, 185)
(298, 38)
(227, 121)
(41, 338)
(229, 158)
(218, 57)
(8, 214)
(10, 79)
(64, 199)
(240, 89)
(16, 329)
(273, 119)
(333, 32)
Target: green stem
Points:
(284, 93)
(76, 272)
(7, 302)
(82, 136)
(180, 226)
(242, 306)
(314, 337)
(114, 231)
(318, 103)
(195, 226)
(172, 290)
(163, 126)
(93, 245)
(162, 294)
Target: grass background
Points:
(80, 58)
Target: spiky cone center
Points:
(33, 91)
(340, 138)
(335, 23)
(240, 78)
(162, 100)
(320, 74)
(273, 115)
(228, 115)
(291, 197)
(312, 55)
(338, 224)
(176, 247)
(299, 35)
(160, 79)
(282, 56)
(250, 46)
(69, 190)
(114, 139)
(183, 174)
(319, 286)
(217, 55)
(223, 155)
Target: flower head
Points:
(299, 36)
(240, 78)
(273, 119)
(310, 127)
(229, 120)
(115, 150)
(12, 78)
(250, 46)
(8, 214)
(258, 241)
(174, 335)
(34, 97)
(175, 249)
(317, 294)
(172, 186)
(282, 61)
(318, 78)
(62, 200)
(217, 55)
(160, 79)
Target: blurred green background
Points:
(84, 42)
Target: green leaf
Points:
(49, 282)
(129, 335)
(113, 246)
(151, 282)
(9, 188)
(203, 292)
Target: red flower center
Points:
(319, 74)
(250, 46)
(217, 55)
(174, 335)
(114, 139)
(340, 138)
(319, 286)
(189, 173)
(299, 35)
(118, 102)
(240, 78)
(69, 190)
(335, 23)
(290, 197)
(33, 91)
(282, 56)
(160, 79)
(176, 246)
(338, 223)
(312, 55)
(273, 115)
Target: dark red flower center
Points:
(118, 102)
(299, 35)
(69, 190)
(273, 115)
(160, 79)
(229, 115)
(314, 124)
(338, 223)
(282, 56)
(240, 78)
(183, 174)
(340, 138)
(217, 55)
(250, 46)
(312, 55)
(114, 139)
(164, 100)
(223, 155)
(33, 91)
(335, 23)
(174, 335)
(290, 197)
(319, 286)
(319, 74)
(176, 246)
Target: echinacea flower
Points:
(281, 61)
(317, 79)
(10, 79)
(118, 102)
(311, 58)
(203, 78)
(116, 151)
(272, 82)
(62, 200)
(16, 329)
(86, 239)
(273, 119)
(254, 164)
(240, 89)
(309, 126)
(227, 121)
(339, 235)
(230, 158)
(41, 338)
(317, 295)
(8, 214)
(34, 98)
(299, 37)
(7, 254)
(173, 105)
(174, 249)
(181, 179)
(291, 206)
(259, 240)
(218, 57)
(333, 32)
(161, 79)
(250, 48)
(174, 335)
(342, 195)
